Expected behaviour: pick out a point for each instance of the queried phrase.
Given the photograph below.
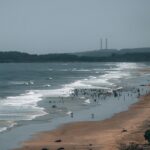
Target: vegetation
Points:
(131, 146)
(6, 57)
(134, 146)
(109, 52)
(147, 135)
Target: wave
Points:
(50, 69)
(82, 70)
(2, 129)
(62, 92)
(25, 104)
(105, 81)
(22, 82)
(46, 85)
(87, 101)
(69, 112)
(30, 98)
(22, 107)
(5, 125)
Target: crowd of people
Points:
(97, 95)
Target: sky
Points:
(58, 26)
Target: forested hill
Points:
(126, 55)
(109, 52)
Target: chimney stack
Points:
(101, 43)
(106, 42)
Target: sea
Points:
(36, 97)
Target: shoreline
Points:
(105, 134)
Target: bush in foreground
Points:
(147, 135)
(131, 146)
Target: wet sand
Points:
(124, 127)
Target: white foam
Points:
(92, 77)
(22, 100)
(115, 75)
(87, 101)
(99, 82)
(50, 69)
(22, 82)
(31, 82)
(122, 66)
(46, 85)
(105, 81)
(19, 83)
(82, 97)
(6, 125)
(63, 70)
(85, 79)
(122, 70)
(102, 82)
(62, 92)
(69, 112)
(22, 107)
(2, 129)
(82, 70)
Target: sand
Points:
(124, 127)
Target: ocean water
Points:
(35, 93)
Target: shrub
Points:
(147, 135)
(131, 146)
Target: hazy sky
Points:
(45, 26)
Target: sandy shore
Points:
(128, 126)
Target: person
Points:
(92, 115)
(71, 114)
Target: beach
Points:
(125, 127)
